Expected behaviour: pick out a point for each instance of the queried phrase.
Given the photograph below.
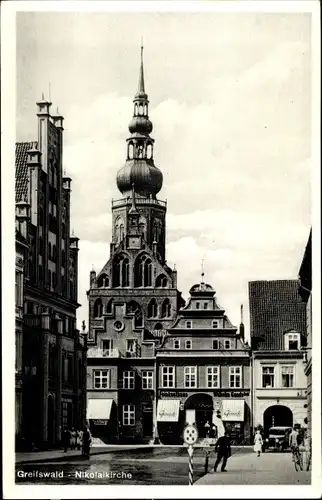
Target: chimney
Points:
(92, 279)
(241, 326)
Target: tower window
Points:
(98, 308)
(153, 309)
(161, 281)
(121, 271)
(143, 271)
(103, 281)
(166, 308)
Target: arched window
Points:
(157, 230)
(145, 109)
(135, 110)
(132, 307)
(149, 151)
(166, 309)
(98, 308)
(143, 271)
(130, 151)
(141, 111)
(119, 230)
(158, 326)
(153, 309)
(161, 281)
(102, 281)
(121, 271)
(142, 226)
(109, 306)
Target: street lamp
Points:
(84, 335)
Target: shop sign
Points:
(231, 394)
(100, 422)
(173, 394)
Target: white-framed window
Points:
(101, 379)
(292, 342)
(168, 377)
(131, 346)
(215, 344)
(128, 415)
(176, 344)
(128, 380)
(213, 377)
(190, 376)
(197, 305)
(188, 324)
(287, 373)
(147, 379)
(268, 376)
(235, 373)
(188, 344)
(214, 324)
(227, 344)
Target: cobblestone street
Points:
(270, 468)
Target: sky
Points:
(230, 103)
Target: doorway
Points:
(203, 406)
(277, 415)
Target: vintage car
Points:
(277, 439)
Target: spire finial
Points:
(42, 96)
(202, 270)
(141, 89)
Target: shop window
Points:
(287, 372)
(213, 381)
(128, 415)
(176, 344)
(190, 377)
(101, 379)
(235, 377)
(128, 380)
(147, 379)
(188, 344)
(168, 377)
(268, 376)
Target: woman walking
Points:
(258, 443)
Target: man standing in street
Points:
(223, 451)
(294, 439)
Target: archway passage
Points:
(277, 415)
(202, 405)
(50, 421)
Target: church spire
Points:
(141, 88)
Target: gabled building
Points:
(134, 298)
(53, 364)
(203, 369)
(278, 334)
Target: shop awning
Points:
(168, 410)
(99, 409)
(233, 410)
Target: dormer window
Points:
(215, 344)
(215, 324)
(188, 344)
(176, 344)
(227, 344)
(188, 324)
(205, 306)
(292, 342)
(197, 305)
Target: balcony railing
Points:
(138, 201)
(96, 352)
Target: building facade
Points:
(305, 291)
(53, 354)
(203, 370)
(278, 334)
(134, 297)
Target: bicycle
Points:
(308, 459)
(297, 458)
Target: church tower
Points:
(134, 298)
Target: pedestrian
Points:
(207, 429)
(258, 443)
(294, 439)
(79, 439)
(223, 450)
(66, 439)
(73, 439)
(86, 442)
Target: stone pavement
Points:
(59, 455)
(269, 469)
